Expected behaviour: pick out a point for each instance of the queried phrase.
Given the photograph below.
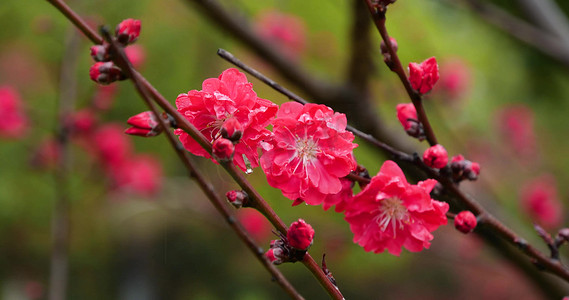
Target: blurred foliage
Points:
(175, 246)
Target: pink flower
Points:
(455, 79)
(47, 155)
(283, 31)
(13, 121)
(110, 145)
(144, 124)
(341, 199)
(309, 153)
(407, 116)
(423, 76)
(83, 121)
(436, 157)
(139, 174)
(232, 130)
(541, 202)
(136, 55)
(255, 224)
(300, 235)
(390, 213)
(104, 96)
(223, 98)
(127, 31)
(517, 128)
(465, 221)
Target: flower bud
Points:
(232, 130)
(436, 157)
(144, 124)
(407, 116)
(105, 73)
(423, 76)
(237, 198)
(275, 255)
(300, 235)
(100, 53)
(464, 169)
(127, 31)
(465, 221)
(223, 150)
(385, 51)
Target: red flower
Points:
(13, 121)
(341, 199)
(144, 124)
(127, 31)
(136, 55)
(390, 213)
(284, 31)
(223, 98)
(83, 121)
(423, 76)
(436, 157)
(300, 235)
(255, 224)
(111, 146)
(455, 79)
(465, 221)
(309, 153)
(541, 201)
(517, 128)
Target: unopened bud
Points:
(127, 31)
(275, 256)
(436, 157)
(300, 235)
(100, 53)
(423, 76)
(223, 150)
(465, 222)
(464, 169)
(385, 51)
(407, 116)
(144, 124)
(232, 130)
(237, 198)
(105, 73)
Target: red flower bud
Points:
(407, 116)
(383, 46)
(464, 169)
(237, 198)
(275, 255)
(144, 124)
(232, 130)
(127, 31)
(465, 221)
(436, 157)
(223, 150)
(300, 235)
(105, 73)
(100, 53)
(423, 76)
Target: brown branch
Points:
(122, 61)
(183, 123)
(59, 265)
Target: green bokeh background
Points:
(175, 246)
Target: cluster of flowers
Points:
(104, 71)
(14, 122)
(308, 155)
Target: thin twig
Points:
(219, 204)
(59, 265)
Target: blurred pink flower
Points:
(139, 174)
(284, 31)
(47, 154)
(309, 153)
(223, 98)
(104, 96)
(255, 223)
(13, 120)
(389, 213)
(455, 79)
(516, 124)
(541, 202)
(136, 55)
(110, 145)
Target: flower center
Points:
(392, 212)
(306, 149)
